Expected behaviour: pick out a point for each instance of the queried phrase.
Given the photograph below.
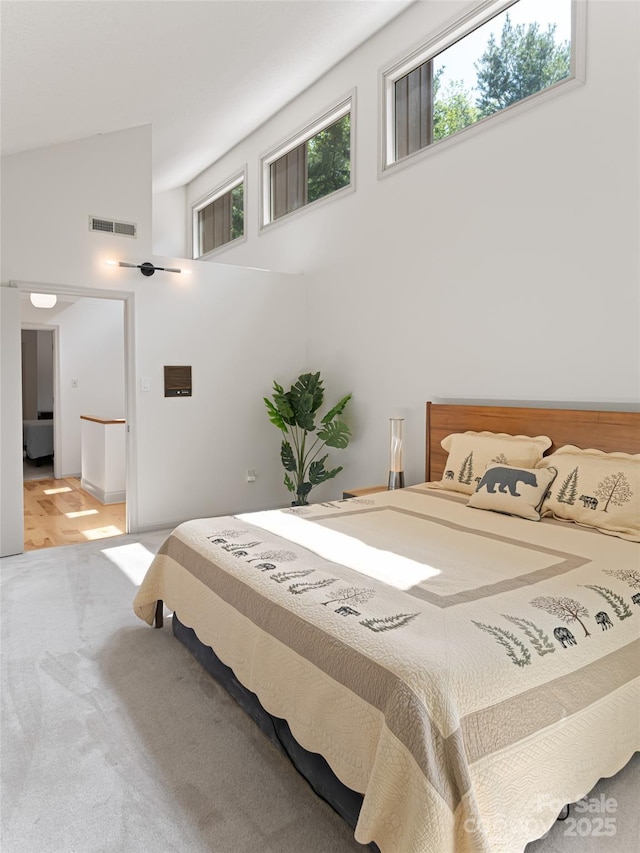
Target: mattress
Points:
(466, 672)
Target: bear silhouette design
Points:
(604, 620)
(589, 502)
(564, 637)
(506, 478)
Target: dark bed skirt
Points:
(310, 765)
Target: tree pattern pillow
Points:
(471, 452)
(596, 489)
(514, 491)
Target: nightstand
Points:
(358, 493)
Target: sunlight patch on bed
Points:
(392, 569)
(133, 560)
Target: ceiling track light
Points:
(146, 268)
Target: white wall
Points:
(169, 233)
(239, 329)
(107, 176)
(502, 268)
(91, 368)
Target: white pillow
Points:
(596, 489)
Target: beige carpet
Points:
(114, 738)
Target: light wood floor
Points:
(58, 512)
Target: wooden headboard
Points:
(608, 431)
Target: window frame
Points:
(457, 29)
(343, 107)
(222, 189)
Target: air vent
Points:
(127, 229)
(111, 226)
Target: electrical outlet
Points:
(251, 476)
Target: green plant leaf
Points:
(317, 471)
(289, 483)
(274, 415)
(305, 421)
(305, 402)
(318, 474)
(337, 410)
(304, 415)
(284, 406)
(306, 397)
(303, 490)
(336, 434)
(287, 457)
(334, 471)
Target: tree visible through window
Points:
(500, 63)
(314, 169)
(329, 160)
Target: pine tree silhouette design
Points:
(466, 470)
(569, 489)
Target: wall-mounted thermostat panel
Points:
(177, 381)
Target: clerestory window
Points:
(498, 56)
(312, 165)
(218, 219)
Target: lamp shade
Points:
(43, 300)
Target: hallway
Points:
(58, 512)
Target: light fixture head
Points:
(146, 267)
(43, 300)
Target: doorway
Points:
(37, 350)
(76, 333)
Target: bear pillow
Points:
(514, 491)
(471, 452)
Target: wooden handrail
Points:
(98, 420)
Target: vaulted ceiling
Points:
(203, 73)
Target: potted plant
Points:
(294, 412)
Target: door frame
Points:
(128, 298)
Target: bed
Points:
(447, 677)
(37, 438)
